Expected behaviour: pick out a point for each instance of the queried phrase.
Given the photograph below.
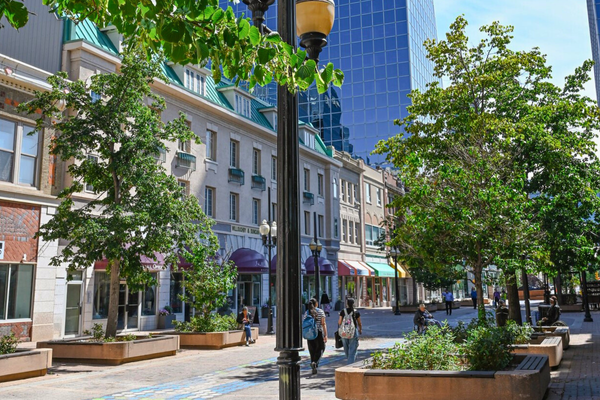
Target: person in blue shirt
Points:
(474, 297)
(449, 298)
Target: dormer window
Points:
(308, 138)
(195, 82)
(242, 105)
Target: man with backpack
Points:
(349, 328)
(314, 330)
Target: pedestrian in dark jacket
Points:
(552, 314)
(325, 303)
(474, 297)
(501, 313)
(244, 318)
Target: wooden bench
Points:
(532, 362)
(552, 340)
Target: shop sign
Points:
(243, 229)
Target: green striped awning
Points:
(382, 270)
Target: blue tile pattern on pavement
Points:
(219, 383)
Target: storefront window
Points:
(149, 299)
(16, 288)
(175, 291)
(101, 294)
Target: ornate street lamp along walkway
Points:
(268, 231)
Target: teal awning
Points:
(186, 156)
(382, 270)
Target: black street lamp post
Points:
(584, 295)
(268, 231)
(316, 247)
(314, 16)
(394, 253)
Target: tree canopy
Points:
(486, 157)
(196, 32)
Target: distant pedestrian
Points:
(244, 319)
(325, 303)
(474, 297)
(503, 295)
(316, 346)
(349, 327)
(496, 297)
(449, 298)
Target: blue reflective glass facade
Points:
(594, 20)
(379, 46)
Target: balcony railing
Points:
(161, 155)
(259, 182)
(236, 175)
(308, 198)
(185, 160)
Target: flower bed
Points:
(528, 378)
(24, 364)
(112, 353)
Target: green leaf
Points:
(266, 55)
(244, 29)
(327, 73)
(273, 37)
(307, 71)
(259, 73)
(217, 16)
(254, 35)
(202, 50)
(216, 73)
(338, 78)
(16, 13)
(172, 31)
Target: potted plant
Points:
(18, 363)
(207, 283)
(166, 317)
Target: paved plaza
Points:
(251, 372)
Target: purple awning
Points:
(249, 261)
(325, 267)
(274, 266)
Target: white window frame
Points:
(18, 153)
(211, 148)
(306, 180)
(378, 194)
(256, 161)
(320, 180)
(255, 211)
(321, 226)
(368, 193)
(234, 154)
(209, 201)
(233, 207)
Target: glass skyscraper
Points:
(594, 19)
(379, 46)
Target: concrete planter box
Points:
(466, 302)
(442, 306)
(534, 294)
(25, 364)
(529, 381)
(166, 321)
(112, 353)
(548, 331)
(551, 347)
(572, 307)
(214, 340)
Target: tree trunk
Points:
(514, 307)
(415, 295)
(477, 271)
(113, 300)
(558, 287)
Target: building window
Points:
(344, 230)
(27, 153)
(176, 290)
(233, 207)
(274, 212)
(149, 298)
(368, 192)
(321, 225)
(16, 290)
(356, 235)
(101, 294)
(88, 186)
(336, 229)
(255, 211)
(306, 180)
(274, 168)
(306, 223)
(350, 231)
(355, 189)
(343, 187)
(233, 154)
(242, 105)
(335, 187)
(256, 162)
(185, 188)
(209, 201)
(349, 192)
(95, 97)
(378, 194)
(184, 146)
(211, 145)
(372, 234)
(320, 184)
(195, 82)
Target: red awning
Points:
(149, 263)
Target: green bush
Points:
(436, 349)
(520, 334)
(488, 348)
(8, 344)
(461, 330)
(97, 333)
(210, 323)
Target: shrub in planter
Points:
(214, 323)
(488, 348)
(434, 350)
(8, 344)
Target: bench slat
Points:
(552, 340)
(531, 362)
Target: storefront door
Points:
(73, 307)
(129, 304)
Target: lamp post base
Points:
(588, 319)
(270, 330)
(397, 312)
(289, 374)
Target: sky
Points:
(558, 27)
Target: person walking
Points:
(316, 347)
(325, 303)
(449, 298)
(349, 321)
(474, 298)
(244, 319)
(496, 297)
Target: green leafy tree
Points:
(196, 32)
(139, 209)
(207, 283)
